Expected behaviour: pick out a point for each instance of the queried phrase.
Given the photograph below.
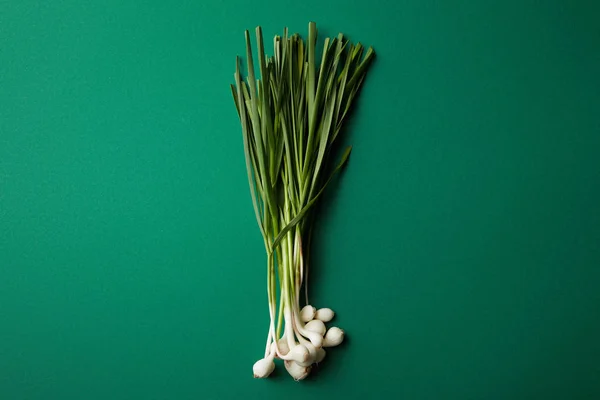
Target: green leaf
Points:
(235, 98)
(324, 142)
(249, 168)
(308, 206)
(290, 118)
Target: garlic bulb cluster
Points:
(290, 114)
(303, 346)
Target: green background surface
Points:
(460, 247)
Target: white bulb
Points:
(312, 355)
(283, 347)
(321, 353)
(316, 326)
(299, 353)
(315, 338)
(307, 313)
(296, 371)
(263, 367)
(324, 314)
(333, 337)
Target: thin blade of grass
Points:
(324, 142)
(310, 81)
(249, 168)
(362, 68)
(308, 206)
(235, 98)
(257, 131)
